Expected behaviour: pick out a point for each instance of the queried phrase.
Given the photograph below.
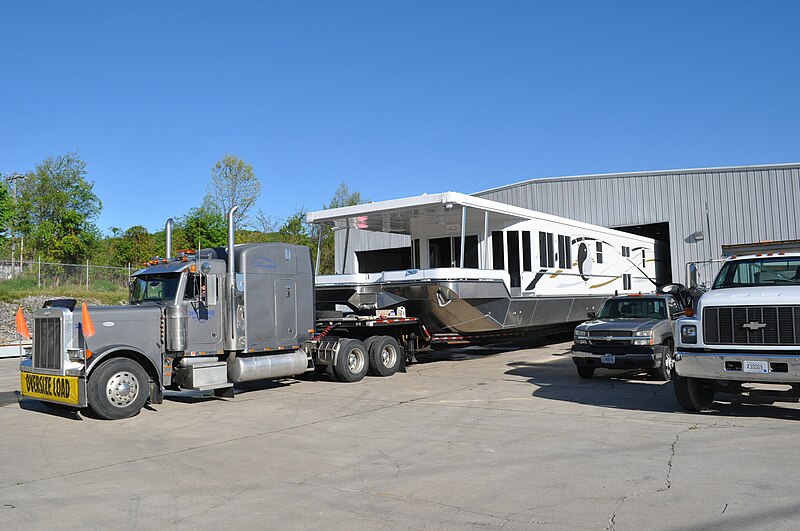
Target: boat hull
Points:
(477, 310)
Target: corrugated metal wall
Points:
(363, 240)
(728, 205)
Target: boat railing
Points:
(416, 275)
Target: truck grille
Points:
(751, 325)
(47, 343)
(598, 337)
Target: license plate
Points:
(56, 388)
(755, 366)
(608, 359)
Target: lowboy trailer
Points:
(204, 321)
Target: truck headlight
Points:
(689, 334)
(75, 354)
(581, 337)
(642, 338)
(27, 352)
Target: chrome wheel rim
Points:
(355, 360)
(122, 389)
(388, 356)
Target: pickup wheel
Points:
(384, 356)
(351, 363)
(118, 389)
(694, 394)
(585, 371)
(664, 371)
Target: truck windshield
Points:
(759, 272)
(633, 308)
(155, 287)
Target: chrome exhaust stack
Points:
(168, 232)
(231, 342)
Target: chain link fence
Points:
(55, 275)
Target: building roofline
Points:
(641, 174)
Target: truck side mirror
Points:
(591, 315)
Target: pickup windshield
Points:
(759, 272)
(155, 287)
(633, 308)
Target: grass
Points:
(105, 291)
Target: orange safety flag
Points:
(88, 327)
(22, 326)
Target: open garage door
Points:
(660, 233)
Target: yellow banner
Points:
(56, 388)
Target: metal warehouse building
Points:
(693, 212)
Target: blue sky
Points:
(394, 98)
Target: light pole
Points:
(13, 179)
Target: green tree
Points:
(6, 208)
(134, 246)
(295, 230)
(57, 208)
(232, 183)
(343, 197)
(201, 228)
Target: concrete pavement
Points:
(469, 438)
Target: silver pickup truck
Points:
(629, 332)
(745, 330)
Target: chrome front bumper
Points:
(730, 366)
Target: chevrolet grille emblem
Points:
(754, 325)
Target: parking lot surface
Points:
(488, 438)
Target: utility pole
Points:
(13, 179)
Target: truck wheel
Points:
(118, 389)
(384, 356)
(694, 394)
(351, 363)
(585, 371)
(664, 371)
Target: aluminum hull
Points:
(477, 310)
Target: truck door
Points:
(204, 333)
(285, 309)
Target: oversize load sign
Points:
(57, 388)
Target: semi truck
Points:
(204, 321)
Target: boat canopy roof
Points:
(398, 215)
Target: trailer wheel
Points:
(118, 389)
(384, 356)
(351, 363)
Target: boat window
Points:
(415, 256)
(470, 252)
(626, 251)
(527, 253)
(546, 256)
(439, 253)
(643, 258)
(512, 238)
(497, 250)
(564, 252)
(599, 248)
(626, 281)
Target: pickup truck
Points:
(629, 332)
(745, 330)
